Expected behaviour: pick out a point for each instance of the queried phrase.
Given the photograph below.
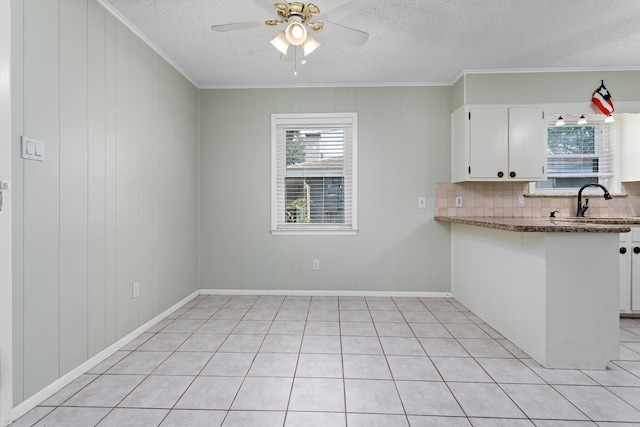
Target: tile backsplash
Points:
(500, 199)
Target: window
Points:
(578, 155)
(313, 181)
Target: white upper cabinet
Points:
(498, 143)
(488, 147)
(628, 129)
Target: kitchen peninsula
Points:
(549, 286)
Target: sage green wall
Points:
(403, 150)
(115, 201)
(567, 87)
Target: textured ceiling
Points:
(410, 41)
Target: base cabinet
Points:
(542, 291)
(630, 272)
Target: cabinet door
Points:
(527, 143)
(487, 142)
(625, 272)
(627, 130)
(635, 279)
(635, 269)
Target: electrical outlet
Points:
(458, 202)
(135, 290)
(316, 264)
(422, 202)
(521, 201)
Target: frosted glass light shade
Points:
(309, 45)
(296, 33)
(281, 43)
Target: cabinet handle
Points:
(623, 250)
(500, 174)
(636, 250)
(512, 174)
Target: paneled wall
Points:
(403, 150)
(114, 202)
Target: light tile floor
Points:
(339, 361)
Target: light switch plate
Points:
(32, 149)
(422, 202)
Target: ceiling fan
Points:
(300, 18)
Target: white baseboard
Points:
(61, 382)
(325, 293)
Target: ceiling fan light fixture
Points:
(281, 43)
(299, 20)
(309, 45)
(296, 33)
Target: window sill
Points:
(313, 232)
(566, 194)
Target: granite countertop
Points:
(546, 225)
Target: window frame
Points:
(313, 119)
(602, 144)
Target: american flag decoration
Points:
(602, 99)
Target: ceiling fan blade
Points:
(343, 34)
(268, 4)
(239, 26)
(327, 5)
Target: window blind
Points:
(314, 173)
(577, 154)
